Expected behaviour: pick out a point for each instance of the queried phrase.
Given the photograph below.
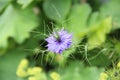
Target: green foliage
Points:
(3, 4)
(16, 23)
(24, 3)
(57, 9)
(99, 58)
(98, 33)
(9, 63)
(96, 29)
(112, 9)
(78, 20)
(76, 71)
(24, 25)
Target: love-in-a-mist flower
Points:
(59, 41)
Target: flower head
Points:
(55, 76)
(118, 64)
(103, 76)
(59, 41)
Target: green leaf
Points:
(57, 9)
(24, 3)
(77, 71)
(78, 20)
(9, 63)
(3, 4)
(112, 8)
(17, 24)
(98, 33)
(97, 58)
(94, 19)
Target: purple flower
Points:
(59, 41)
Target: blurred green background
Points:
(94, 55)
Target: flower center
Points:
(58, 39)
